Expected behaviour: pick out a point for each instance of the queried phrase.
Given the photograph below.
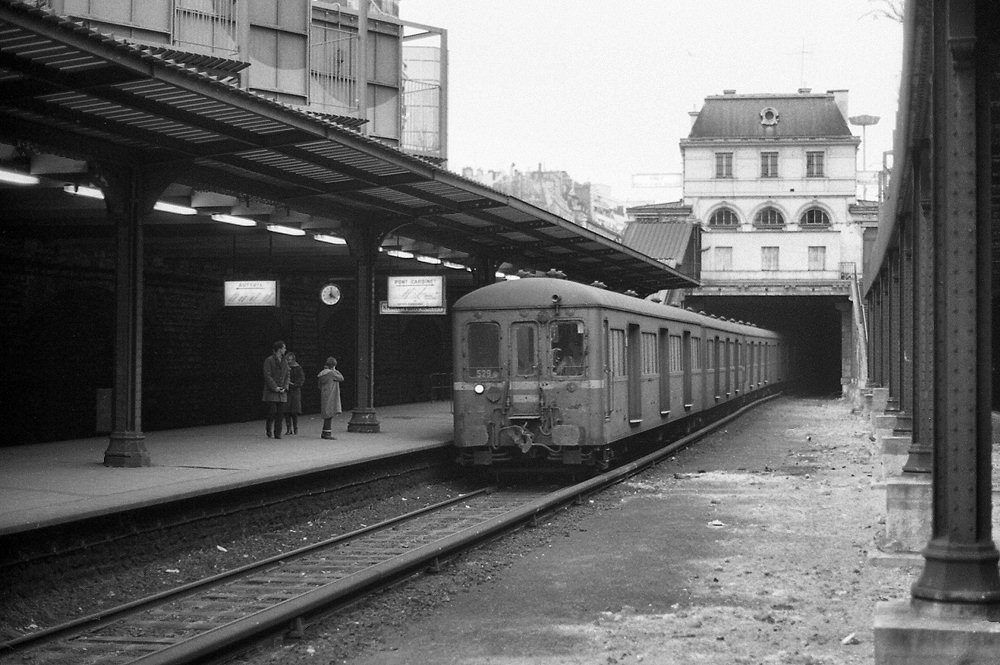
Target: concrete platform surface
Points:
(53, 483)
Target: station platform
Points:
(48, 484)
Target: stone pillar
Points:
(848, 373)
(363, 241)
(129, 195)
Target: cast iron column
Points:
(484, 270)
(920, 455)
(961, 559)
(129, 195)
(363, 241)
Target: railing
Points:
(333, 70)
(207, 26)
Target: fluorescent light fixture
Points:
(89, 192)
(236, 221)
(453, 266)
(511, 278)
(163, 206)
(500, 275)
(285, 230)
(399, 254)
(333, 240)
(429, 259)
(15, 178)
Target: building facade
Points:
(354, 62)
(771, 181)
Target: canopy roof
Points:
(66, 90)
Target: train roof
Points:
(537, 293)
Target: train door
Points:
(664, 369)
(523, 370)
(713, 365)
(633, 349)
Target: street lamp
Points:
(864, 121)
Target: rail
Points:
(227, 612)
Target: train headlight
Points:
(479, 389)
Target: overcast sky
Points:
(602, 90)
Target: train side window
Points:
(567, 348)
(483, 341)
(675, 354)
(524, 355)
(650, 363)
(695, 353)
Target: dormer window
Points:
(769, 116)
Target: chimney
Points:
(805, 91)
(694, 117)
(840, 99)
(729, 92)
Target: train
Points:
(555, 373)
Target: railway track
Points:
(228, 612)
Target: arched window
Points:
(814, 217)
(769, 218)
(723, 217)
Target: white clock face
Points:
(330, 294)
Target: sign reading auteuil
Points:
(424, 291)
(251, 293)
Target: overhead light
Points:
(89, 192)
(453, 266)
(286, 230)
(399, 254)
(511, 278)
(500, 275)
(15, 178)
(163, 206)
(236, 221)
(429, 259)
(333, 240)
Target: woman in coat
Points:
(275, 387)
(329, 395)
(296, 378)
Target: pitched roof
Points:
(799, 116)
(664, 241)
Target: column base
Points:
(127, 450)
(364, 421)
(895, 451)
(907, 513)
(915, 632)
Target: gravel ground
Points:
(751, 548)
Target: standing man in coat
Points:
(276, 376)
(329, 395)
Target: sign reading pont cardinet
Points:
(251, 293)
(416, 292)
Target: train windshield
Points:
(484, 350)
(567, 347)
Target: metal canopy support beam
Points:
(960, 561)
(363, 241)
(129, 195)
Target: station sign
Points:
(251, 293)
(424, 291)
(385, 308)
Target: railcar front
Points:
(528, 378)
